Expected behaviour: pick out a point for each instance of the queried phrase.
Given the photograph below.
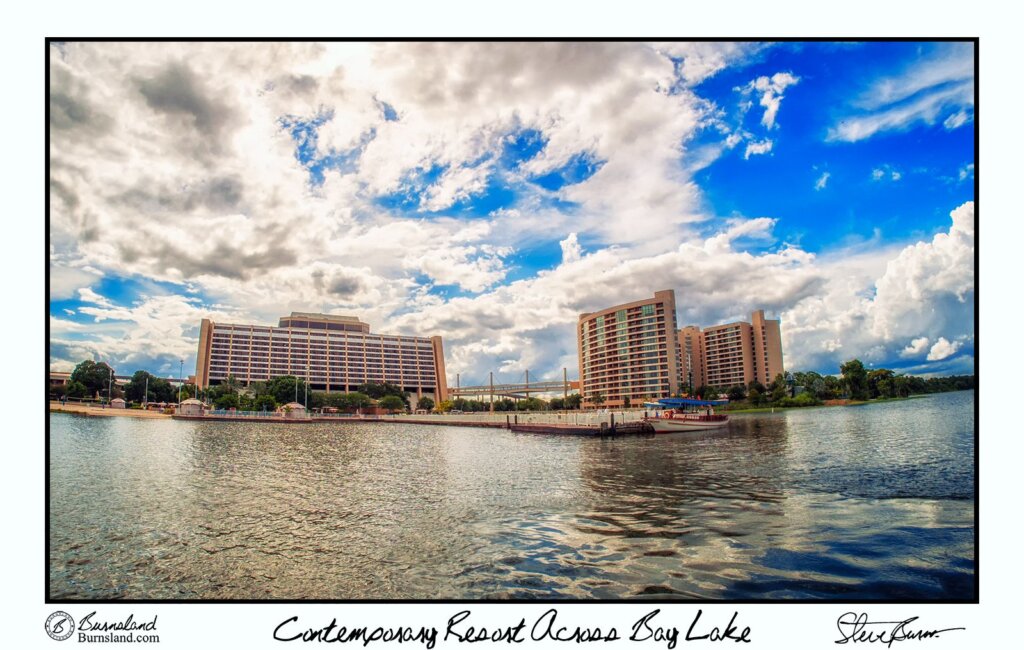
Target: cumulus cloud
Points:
(200, 166)
(916, 348)
(703, 60)
(156, 332)
(943, 349)
(771, 91)
(571, 249)
(873, 303)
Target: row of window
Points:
(219, 333)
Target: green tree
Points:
(76, 389)
(504, 404)
(94, 376)
(135, 389)
(880, 383)
(392, 403)
(573, 401)
(780, 390)
(286, 389)
(532, 404)
(231, 384)
(264, 403)
(444, 406)
(425, 403)
(355, 401)
(378, 390)
(855, 379)
(227, 401)
(597, 399)
(557, 404)
(833, 387)
(737, 393)
(901, 386)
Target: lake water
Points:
(866, 502)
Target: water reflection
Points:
(871, 502)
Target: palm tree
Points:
(231, 384)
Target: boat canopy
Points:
(677, 402)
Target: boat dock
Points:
(559, 424)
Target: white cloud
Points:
(571, 249)
(65, 281)
(873, 303)
(916, 348)
(771, 89)
(757, 148)
(155, 332)
(942, 80)
(956, 120)
(967, 171)
(886, 172)
(85, 294)
(703, 60)
(822, 181)
(170, 162)
(943, 349)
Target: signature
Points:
(857, 628)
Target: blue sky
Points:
(490, 192)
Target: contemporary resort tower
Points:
(335, 353)
(735, 353)
(629, 352)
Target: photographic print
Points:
(586, 320)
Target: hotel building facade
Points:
(629, 351)
(333, 353)
(734, 353)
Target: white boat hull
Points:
(672, 425)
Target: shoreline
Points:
(95, 411)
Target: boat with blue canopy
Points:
(674, 414)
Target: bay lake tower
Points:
(634, 352)
(629, 353)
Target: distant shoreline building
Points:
(335, 354)
(635, 351)
(629, 351)
(733, 353)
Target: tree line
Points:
(854, 382)
(92, 379)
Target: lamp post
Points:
(181, 369)
(110, 382)
(145, 397)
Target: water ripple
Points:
(872, 502)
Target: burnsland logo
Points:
(60, 626)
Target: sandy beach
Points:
(83, 409)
